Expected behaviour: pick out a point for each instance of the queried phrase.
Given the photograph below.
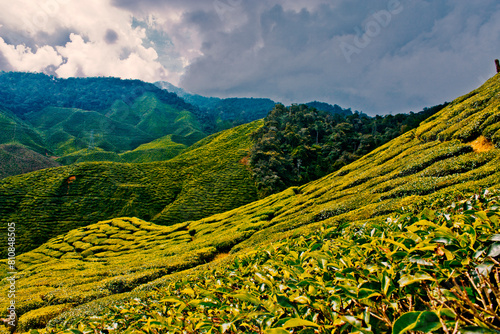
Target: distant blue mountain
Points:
(230, 112)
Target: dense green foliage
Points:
(205, 179)
(235, 111)
(298, 144)
(24, 93)
(431, 166)
(420, 272)
(334, 110)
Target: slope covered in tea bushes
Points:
(449, 156)
(208, 178)
(403, 274)
(161, 149)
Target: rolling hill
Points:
(448, 157)
(69, 130)
(67, 116)
(207, 178)
(161, 149)
(17, 131)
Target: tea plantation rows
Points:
(329, 260)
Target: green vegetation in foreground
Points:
(430, 166)
(207, 178)
(431, 272)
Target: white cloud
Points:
(89, 51)
(24, 59)
(93, 59)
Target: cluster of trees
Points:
(299, 144)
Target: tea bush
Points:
(403, 274)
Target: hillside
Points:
(122, 128)
(161, 149)
(207, 178)
(300, 144)
(451, 155)
(234, 111)
(225, 113)
(24, 93)
(65, 116)
(16, 131)
(69, 130)
(17, 159)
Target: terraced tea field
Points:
(206, 179)
(81, 273)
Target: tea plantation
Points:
(206, 179)
(431, 272)
(376, 247)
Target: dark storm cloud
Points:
(378, 56)
(59, 38)
(422, 54)
(14, 37)
(19, 37)
(111, 36)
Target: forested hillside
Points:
(24, 93)
(355, 251)
(77, 115)
(228, 112)
(300, 143)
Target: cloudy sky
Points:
(378, 56)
